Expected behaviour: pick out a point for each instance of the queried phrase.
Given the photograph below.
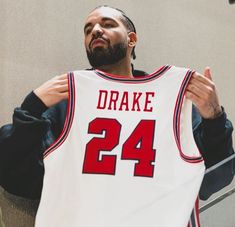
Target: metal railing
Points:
(225, 194)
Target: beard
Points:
(100, 56)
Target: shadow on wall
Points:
(16, 211)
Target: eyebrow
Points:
(103, 20)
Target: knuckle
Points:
(59, 76)
(191, 87)
(187, 94)
(213, 86)
(210, 91)
(56, 87)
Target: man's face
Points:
(106, 37)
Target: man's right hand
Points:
(53, 91)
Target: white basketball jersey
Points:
(126, 156)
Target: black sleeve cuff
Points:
(215, 126)
(33, 105)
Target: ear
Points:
(132, 39)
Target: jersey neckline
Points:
(157, 73)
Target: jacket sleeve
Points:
(214, 140)
(21, 147)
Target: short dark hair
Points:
(126, 21)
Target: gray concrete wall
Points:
(40, 39)
(220, 215)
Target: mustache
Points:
(99, 37)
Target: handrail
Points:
(216, 200)
(224, 195)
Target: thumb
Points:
(207, 73)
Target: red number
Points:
(106, 164)
(139, 146)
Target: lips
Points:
(97, 42)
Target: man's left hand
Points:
(202, 92)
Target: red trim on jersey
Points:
(197, 212)
(69, 117)
(136, 79)
(176, 119)
(194, 217)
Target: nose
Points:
(97, 30)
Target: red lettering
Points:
(136, 98)
(124, 101)
(102, 94)
(148, 101)
(113, 100)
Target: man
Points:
(110, 39)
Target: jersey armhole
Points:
(68, 119)
(182, 125)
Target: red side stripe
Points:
(197, 213)
(176, 119)
(69, 117)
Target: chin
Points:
(98, 48)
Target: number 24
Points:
(138, 146)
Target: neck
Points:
(122, 68)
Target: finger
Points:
(204, 87)
(62, 82)
(207, 73)
(64, 95)
(200, 90)
(199, 77)
(192, 97)
(62, 77)
(205, 84)
(62, 88)
(59, 77)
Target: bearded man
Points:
(110, 40)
